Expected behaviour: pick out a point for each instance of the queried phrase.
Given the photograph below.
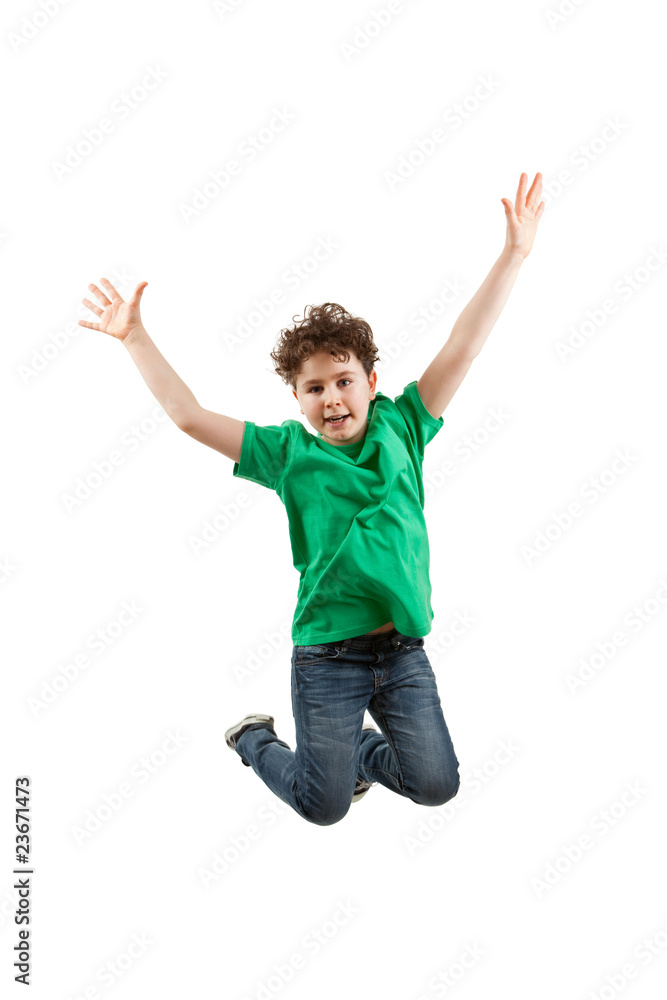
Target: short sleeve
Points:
(265, 454)
(422, 426)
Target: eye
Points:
(339, 380)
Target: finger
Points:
(509, 210)
(540, 210)
(91, 326)
(110, 289)
(99, 294)
(535, 192)
(93, 307)
(138, 292)
(520, 193)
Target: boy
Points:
(354, 498)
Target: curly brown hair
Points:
(328, 327)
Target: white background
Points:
(491, 877)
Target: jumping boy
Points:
(354, 498)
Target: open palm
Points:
(523, 216)
(116, 317)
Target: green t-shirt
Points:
(356, 518)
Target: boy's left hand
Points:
(522, 218)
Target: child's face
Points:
(335, 387)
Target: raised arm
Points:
(469, 334)
(122, 320)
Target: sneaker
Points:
(362, 786)
(234, 732)
(360, 789)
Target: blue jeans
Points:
(332, 686)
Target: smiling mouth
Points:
(337, 422)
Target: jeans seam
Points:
(300, 792)
(390, 740)
(312, 663)
(408, 649)
(379, 770)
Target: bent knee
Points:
(326, 816)
(438, 792)
(326, 810)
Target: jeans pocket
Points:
(408, 642)
(307, 656)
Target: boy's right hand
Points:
(117, 318)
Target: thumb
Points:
(509, 209)
(138, 292)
